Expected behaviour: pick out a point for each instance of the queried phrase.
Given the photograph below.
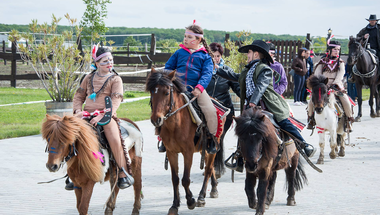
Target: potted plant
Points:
(56, 59)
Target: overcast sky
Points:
(294, 17)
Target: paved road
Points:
(348, 185)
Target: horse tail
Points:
(219, 158)
(300, 178)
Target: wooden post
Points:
(5, 61)
(13, 69)
(128, 52)
(307, 43)
(226, 51)
(152, 50)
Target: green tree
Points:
(132, 44)
(93, 20)
(167, 45)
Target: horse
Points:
(366, 73)
(260, 150)
(326, 117)
(177, 132)
(73, 140)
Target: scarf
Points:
(221, 63)
(250, 85)
(369, 26)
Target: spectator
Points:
(309, 67)
(299, 67)
(280, 81)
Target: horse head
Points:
(162, 85)
(319, 92)
(60, 135)
(255, 136)
(355, 50)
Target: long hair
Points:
(72, 130)
(198, 30)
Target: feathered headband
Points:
(192, 33)
(331, 45)
(95, 49)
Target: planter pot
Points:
(59, 108)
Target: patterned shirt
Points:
(250, 85)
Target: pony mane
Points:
(254, 121)
(162, 78)
(316, 81)
(72, 130)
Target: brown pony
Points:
(258, 142)
(73, 140)
(177, 132)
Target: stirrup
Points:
(233, 165)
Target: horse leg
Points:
(137, 186)
(214, 186)
(360, 100)
(291, 178)
(173, 160)
(322, 147)
(86, 193)
(340, 142)
(188, 159)
(112, 201)
(250, 183)
(209, 171)
(370, 101)
(270, 193)
(377, 100)
(261, 194)
(333, 145)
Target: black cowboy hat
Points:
(259, 46)
(372, 17)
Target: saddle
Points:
(372, 53)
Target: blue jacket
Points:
(195, 69)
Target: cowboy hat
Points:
(372, 17)
(259, 46)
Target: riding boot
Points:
(240, 164)
(311, 122)
(351, 78)
(69, 185)
(162, 148)
(309, 150)
(350, 120)
(211, 145)
(126, 181)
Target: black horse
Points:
(366, 73)
(260, 150)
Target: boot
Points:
(69, 185)
(126, 181)
(311, 122)
(309, 150)
(350, 120)
(161, 148)
(240, 164)
(351, 78)
(211, 145)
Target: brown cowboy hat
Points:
(372, 17)
(259, 46)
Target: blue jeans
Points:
(289, 127)
(299, 81)
(351, 90)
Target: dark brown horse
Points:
(258, 142)
(177, 132)
(366, 73)
(72, 139)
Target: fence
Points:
(142, 58)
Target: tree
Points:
(93, 19)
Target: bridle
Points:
(72, 151)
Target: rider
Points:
(194, 65)
(102, 82)
(280, 82)
(333, 68)
(256, 87)
(372, 30)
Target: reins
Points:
(169, 114)
(354, 68)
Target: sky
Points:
(294, 17)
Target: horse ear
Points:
(262, 117)
(351, 37)
(172, 74)
(308, 82)
(153, 70)
(326, 81)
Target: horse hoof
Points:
(108, 211)
(358, 119)
(373, 115)
(214, 194)
(341, 153)
(266, 206)
(332, 155)
(320, 161)
(201, 202)
(173, 211)
(135, 211)
(336, 149)
(291, 202)
(191, 204)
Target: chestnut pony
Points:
(177, 132)
(68, 134)
(258, 142)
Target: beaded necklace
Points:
(94, 94)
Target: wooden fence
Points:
(142, 58)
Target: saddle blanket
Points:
(132, 137)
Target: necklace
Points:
(94, 94)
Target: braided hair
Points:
(198, 30)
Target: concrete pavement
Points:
(348, 185)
